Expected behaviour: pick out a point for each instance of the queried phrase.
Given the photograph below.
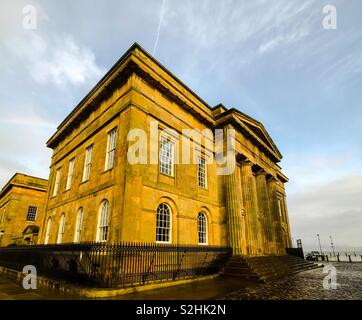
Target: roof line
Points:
(114, 67)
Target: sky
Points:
(271, 59)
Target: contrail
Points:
(159, 27)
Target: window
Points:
(87, 163)
(78, 227)
(61, 229)
(111, 149)
(202, 228)
(280, 208)
(202, 172)
(103, 221)
(31, 213)
(47, 234)
(70, 174)
(166, 156)
(56, 182)
(163, 223)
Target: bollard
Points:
(338, 257)
(349, 257)
(361, 257)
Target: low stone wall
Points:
(91, 293)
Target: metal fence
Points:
(116, 265)
(340, 257)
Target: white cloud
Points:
(56, 60)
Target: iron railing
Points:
(116, 265)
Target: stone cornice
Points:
(25, 181)
(135, 61)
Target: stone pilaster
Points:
(277, 223)
(251, 207)
(265, 211)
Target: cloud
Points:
(334, 208)
(55, 59)
(282, 40)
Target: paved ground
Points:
(305, 285)
(308, 285)
(202, 290)
(10, 290)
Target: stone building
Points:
(97, 193)
(21, 209)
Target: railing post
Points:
(179, 265)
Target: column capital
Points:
(271, 178)
(260, 172)
(247, 162)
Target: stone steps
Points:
(265, 268)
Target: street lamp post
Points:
(320, 246)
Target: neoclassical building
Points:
(97, 192)
(22, 202)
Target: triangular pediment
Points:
(258, 130)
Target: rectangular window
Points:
(87, 163)
(111, 149)
(167, 149)
(202, 172)
(31, 216)
(70, 174)
(280, 208)
(56, 182)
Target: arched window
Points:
(61, 229)
(163, 223)
(103, 221)
(78, 226)
(202, 228)
(47, 233)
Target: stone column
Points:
(277, 223)
(286, 216)
(251, 207)
(234, 207)
(265, 210)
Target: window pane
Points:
(111, 149)
(61, 229)
(202, 173)
(87, 163)
(70, 174)
(202, 228)
(166, 157)
(31, 216)
(103, 220)
(163, 223)
(56, 182)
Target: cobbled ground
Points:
(308, 285)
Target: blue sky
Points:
(272, 59)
